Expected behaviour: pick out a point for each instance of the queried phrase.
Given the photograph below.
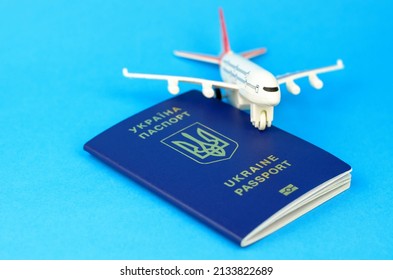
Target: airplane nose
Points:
(273, 98)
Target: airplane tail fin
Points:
(225, 42)
(226, 48)
(206, 57)
(224, 34)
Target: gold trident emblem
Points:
(211, 146)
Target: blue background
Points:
(61, 84)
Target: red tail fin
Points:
(224, 35)
(225, 46)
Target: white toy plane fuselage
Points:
(258, 89)
(248, 85)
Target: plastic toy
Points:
(248, 86)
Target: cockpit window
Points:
(270, 89)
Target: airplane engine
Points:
(292, 87)
(315, 81)
(207, 90)
(173, 86)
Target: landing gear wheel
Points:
(262, 121)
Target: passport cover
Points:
(204, 156)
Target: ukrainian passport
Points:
(205, 157)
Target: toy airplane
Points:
(248, 85)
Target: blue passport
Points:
(204, 156)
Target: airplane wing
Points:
(293, 88)
(173, 82)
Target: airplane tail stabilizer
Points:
(253, 53)
(199, 57)
(225, 47)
